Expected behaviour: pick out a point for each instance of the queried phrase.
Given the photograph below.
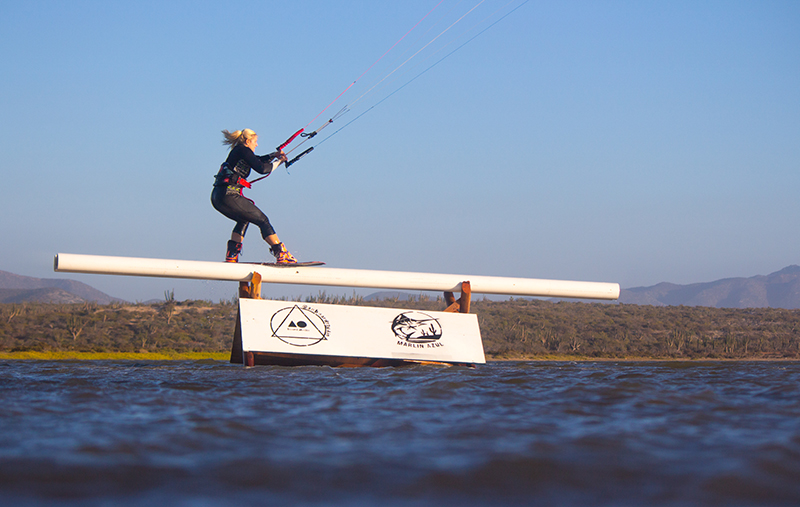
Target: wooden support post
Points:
(251, 289)
(236, 346)
(460, 305)
(247, 290)
(466, 297)
(255, 286)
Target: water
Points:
(522, 433)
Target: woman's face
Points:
(252, 143)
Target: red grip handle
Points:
(281, 147)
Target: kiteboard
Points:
(288, 265)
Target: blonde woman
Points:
(227, 195)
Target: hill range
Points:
(22, 289)
(777, 290)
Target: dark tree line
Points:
(170, 326)
(511, 329)
(536, 328)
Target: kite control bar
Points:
(281, 147)
(280, 150)
(295, 159)
(302, 133)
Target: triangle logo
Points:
(298, 326)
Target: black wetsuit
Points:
(227, 195)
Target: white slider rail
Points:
(397, 280)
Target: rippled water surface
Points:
(519, 433)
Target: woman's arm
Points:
(270, 162)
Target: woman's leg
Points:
(244, 211)
(235, 243)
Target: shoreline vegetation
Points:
(225, 356)
(515, 329)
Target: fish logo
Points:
(417, 327)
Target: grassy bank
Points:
(56, 355)
(225, 356)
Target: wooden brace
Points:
(251, 289)
(460, 305)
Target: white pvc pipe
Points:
(398, 280)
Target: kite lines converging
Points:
(447, 30)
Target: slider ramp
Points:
(288, 333)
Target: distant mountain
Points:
(18, 289)
(777, 290)
(46, 295)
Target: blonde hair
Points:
(238, 137)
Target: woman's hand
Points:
(280, 155)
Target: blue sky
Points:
(631, 142)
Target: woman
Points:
(227, 195)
